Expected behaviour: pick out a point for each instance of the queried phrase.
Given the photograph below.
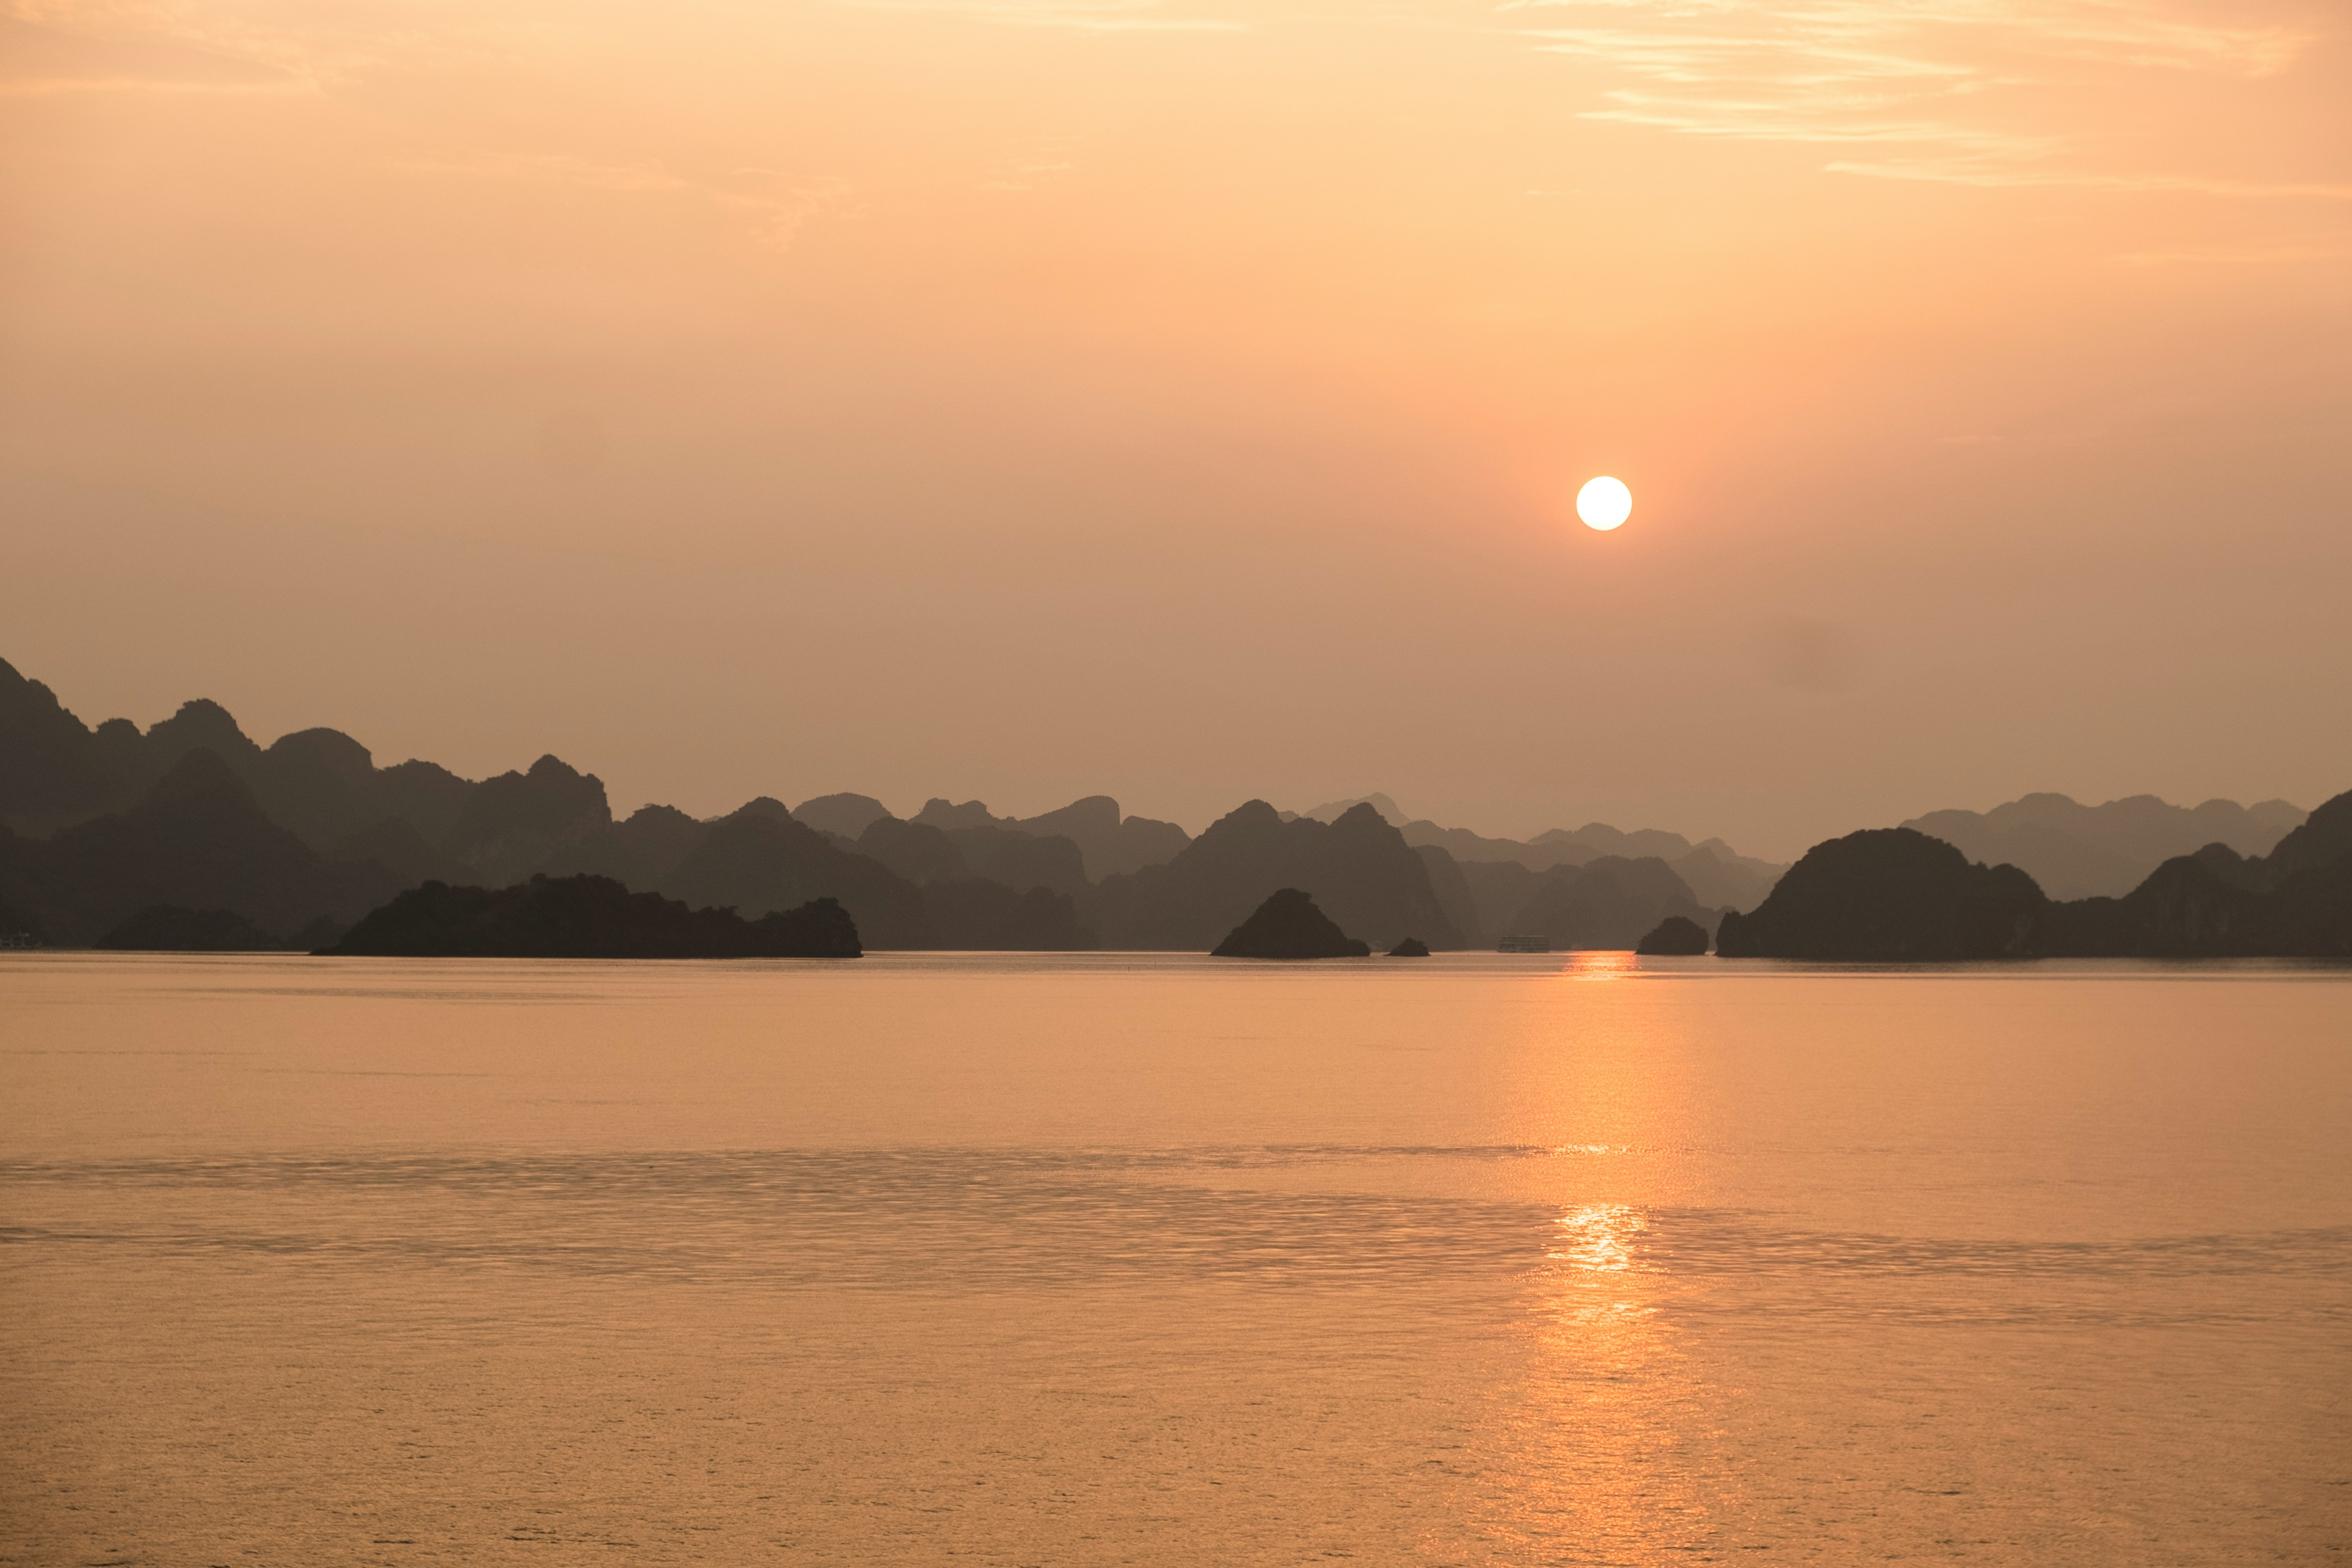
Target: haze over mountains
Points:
(1714, 873)
(191, 826)
(2090, 851)
(1896, 893)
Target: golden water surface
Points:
(1160, 1259)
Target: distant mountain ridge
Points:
(191, 826)
(198, 839)
(1896, 893)
(1110, 843)
(2076, 851)
(303, 837)
(1716, 875)
(1358, 871)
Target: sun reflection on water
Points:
(1603, 1432)
(1600, 1416)
(1597, 1239)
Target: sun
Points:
(1604, 503)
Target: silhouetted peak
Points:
(201, 718)
(2325, 837)
(204, 722)
(1093, 814)
(2286, 813)
(845, 814)
(1676, 936)
(2079, 851)
(552, 768)
(31, 713)
(1648, 873)
(1363, 817)
(1252, 815)
(650, 843)
(1889, 893)
(1332, 810)
(2230, 866)
(946, 814)
(751, 826)
(552, 801)
(1289, 925)
(762, 805)
(49, 770)
(1890, 848)
(18, 694)
(330, 750)
(551, 779)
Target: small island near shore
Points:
(1673, 937)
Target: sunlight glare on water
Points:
(1151, 1258)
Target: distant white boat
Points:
(1524, 944)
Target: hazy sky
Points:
(1187, 401)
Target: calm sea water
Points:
(1151, 1259)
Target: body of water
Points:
(1160, 1259)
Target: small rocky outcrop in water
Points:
(1411, 947)
(589, 917)
(1289, 925)
(1675, 937)
(1361, 869)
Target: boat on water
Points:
(1524, 944)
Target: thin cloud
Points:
(1083, 16)
(39, 59)
(1960, 172)
(1933, 76)
(321, 48)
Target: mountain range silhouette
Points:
(1895, 893)
(191, 833)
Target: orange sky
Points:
(1187, 401)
